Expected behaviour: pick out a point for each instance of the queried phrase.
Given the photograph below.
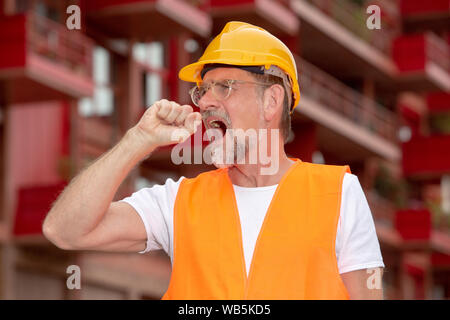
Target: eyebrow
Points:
(219, 80)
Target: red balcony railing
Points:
(42, 59)
(347, 102)
(426, 156)
(414, 52)
(54, 41)
(354, 17)
(437, 51)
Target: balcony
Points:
(43, 60)
(268, 14)
(352, 49)
(353, 18)
(363, 127)
(423, 61)
(419, 14)
(147, 18)
(426, 157)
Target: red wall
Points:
(438, 101)
(422, 155)
(423, 6)
(12, 41)
(35, 140)
(409, 52)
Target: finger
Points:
(151, 111)
(192, 122)
(185, 111)
(174, 112)
(164, 108)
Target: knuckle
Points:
(174, 104)
(188, 108)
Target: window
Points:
(102, 103)
(151, 58)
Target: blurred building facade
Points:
(377, 100)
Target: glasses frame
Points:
(229, 82)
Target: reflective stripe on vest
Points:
(294, 255)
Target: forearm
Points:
(83, 217)
(85, 201)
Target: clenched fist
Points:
(166, 122)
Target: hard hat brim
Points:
(192, 72)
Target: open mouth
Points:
(217, 123)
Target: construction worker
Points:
(304, 231)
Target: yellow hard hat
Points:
(243, 44)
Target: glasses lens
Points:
(221, 90)
(195, 95)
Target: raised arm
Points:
(84, 216)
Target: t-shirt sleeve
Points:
(155, 207)
(357, 245)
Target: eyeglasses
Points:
(221, 90)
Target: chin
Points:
(219, 158)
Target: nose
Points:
(208, 101)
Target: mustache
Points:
(224, 115)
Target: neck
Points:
(249, 175)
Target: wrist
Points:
(137, 144)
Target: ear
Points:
(273, 101)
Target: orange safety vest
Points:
(294, 255)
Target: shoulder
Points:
(351, 184)
(326, 168)
(167, 190)
(205, 177)
(328, 178)
(354, 201)
(350, 180)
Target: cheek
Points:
(246, 117)
(245, 112)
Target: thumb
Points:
(193, 121)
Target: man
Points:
(302, 231)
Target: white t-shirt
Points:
(357, 244)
